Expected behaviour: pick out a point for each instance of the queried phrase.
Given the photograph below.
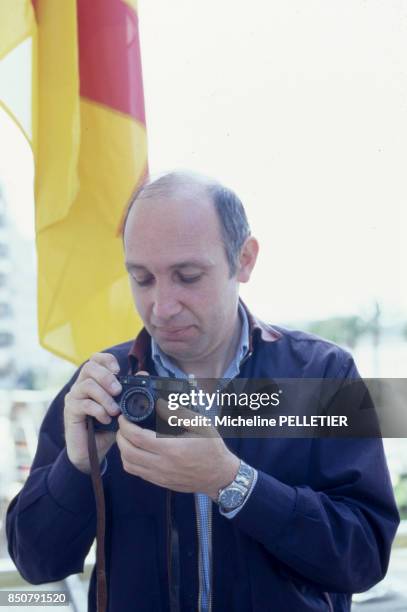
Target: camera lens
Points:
(137, 404)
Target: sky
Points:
(301, 108)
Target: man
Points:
(256, 524)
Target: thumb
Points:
(195, 423)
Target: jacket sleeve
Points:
(337, 531)
(51, 523)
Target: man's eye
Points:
(143, 282)
(190, 279)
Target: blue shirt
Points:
(166, 367)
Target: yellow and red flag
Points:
(90, 152)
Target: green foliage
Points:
(348, 330)
(341, 330)
(400, 492)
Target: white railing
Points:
(23, 412)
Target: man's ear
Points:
(247, 259)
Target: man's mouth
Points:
(173, 332)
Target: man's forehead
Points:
(164, 233)
(180, 219)
(159, 236)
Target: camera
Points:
(139, 395)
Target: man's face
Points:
(179, 275)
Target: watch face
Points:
(231, 498)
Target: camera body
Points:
(139, 395)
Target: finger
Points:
(138, 436)
(186, 416)
(142, 373)
(90, 389)
(79, 409)
(101, 374)
(135, 455)
(107, 360)
(204, 430)
(164, 412)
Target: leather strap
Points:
(101, 584)
(173, 568)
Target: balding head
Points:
(186, 254)
(195, 188)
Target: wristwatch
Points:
(232, 497)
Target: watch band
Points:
(232, 497)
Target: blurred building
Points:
(7, 336)
(23, 362)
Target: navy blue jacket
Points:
(317, 527)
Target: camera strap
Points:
(101, 584)
(173, 568)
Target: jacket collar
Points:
(141, 348)
(259, 328)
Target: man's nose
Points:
(165, 304)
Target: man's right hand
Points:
(92, 394)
